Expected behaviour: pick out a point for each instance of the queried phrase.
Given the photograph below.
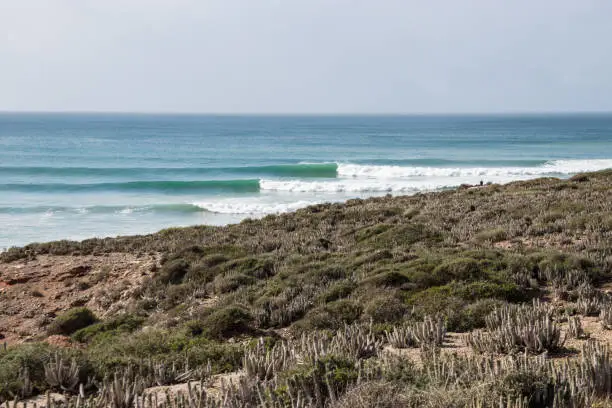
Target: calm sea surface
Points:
(76, 176)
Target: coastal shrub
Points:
(434, 301)
(72, 320)
(372, 258)
(485, 290)
(329, 273)
(230, 282)
(138, 350)
(125, 323)
(336, 291)
(371, 231)
(562, 267)
(522, 385)
(386, 309)
(491, 236)
(227, 322)
(15, 362)
(321, 377)
(473, 316)
(458, 269)
(22, 368)
(331, 316)
(372, 394)
(387, 279)
(460, 302)
(173, 271)
(251, 266)
(406, 235)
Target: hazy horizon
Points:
(298, 114)
(317, 57)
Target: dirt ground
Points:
(33, 292)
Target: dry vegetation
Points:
(315, 308)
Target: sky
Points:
(306, 56)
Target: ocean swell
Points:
(309, 170)
(167, 187)
(553, 167)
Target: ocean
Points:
(77, 176)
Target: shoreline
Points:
(463, 186)
(460, 187)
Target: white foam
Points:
(554, 167)
(577, 166)
(241, 206)
(351, 186)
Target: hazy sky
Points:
(306, 56)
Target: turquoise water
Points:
(83, 175)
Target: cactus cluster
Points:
(574, 328)
(510, 329)
(61, 374)
(263, 363)
(605, 316)
(323, 379)
(431, 332)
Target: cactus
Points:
(120, 392)
(574, 328)
(263, 363)
(467, 381)
(61, 374)
(430, 332)
(606, 315)
(588, 306)
(511, 329)
(165, 374)
(401, 337)
(356, 341)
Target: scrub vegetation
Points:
(351, 305)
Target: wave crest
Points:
(553, 167)
(234, 206)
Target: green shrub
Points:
(386, 309)
(376, 257)
(329, 273)
(491, 236)
(252, 266)
(230, 282)
(32, 357)
(14, 360)
(369, 232)
(331, 316)
(337, 291)
(173, 271)
(472, 316)
(458, 269)
(121, 324)
(137, 349)
(465, 304)
(319, 377)
(558, 265)
(522, 384)
(227, 322)
(485, 290)
(406, 235)
(387, 279)
(72, 320)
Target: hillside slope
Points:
(447, 259)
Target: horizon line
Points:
(304, 114)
